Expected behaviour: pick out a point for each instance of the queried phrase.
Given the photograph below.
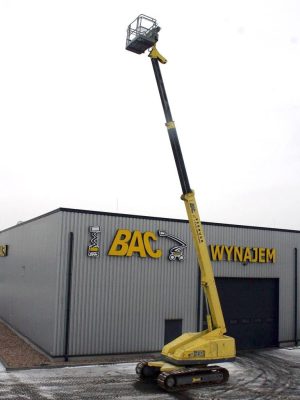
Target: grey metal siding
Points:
(119, 304)
(28, 279)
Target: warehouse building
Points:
(81, 282)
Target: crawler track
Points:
(182, 379)
(192, 378)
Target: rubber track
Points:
(142, 377)
(192, 371)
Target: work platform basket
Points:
(142, 34)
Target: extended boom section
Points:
(210, 345)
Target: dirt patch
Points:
(16, 353)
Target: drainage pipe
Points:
(68, 295)
(296, 295)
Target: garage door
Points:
(250, 308)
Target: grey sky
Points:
(81, 124)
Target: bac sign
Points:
(127, 243)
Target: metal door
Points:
(250, 308)
(173, 329)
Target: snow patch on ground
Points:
(289, 353)
(269, 374)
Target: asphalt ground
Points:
(267, 374)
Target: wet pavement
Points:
(268, 374)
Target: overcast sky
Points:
(81, 123)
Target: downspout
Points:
(296, 295)
(68, 295)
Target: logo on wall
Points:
(127, 243)
(93, 248)
(175, 252)
(3, 250)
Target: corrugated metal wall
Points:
(119, 304)
(28, 279)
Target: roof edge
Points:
(111, 214)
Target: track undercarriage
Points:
(182, 378)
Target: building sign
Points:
(175, 252)
(3, 250)
(93, 248)
(127, 243)
(242, 254)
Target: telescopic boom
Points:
(207, 278)
(196, 349)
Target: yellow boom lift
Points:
(188, 361)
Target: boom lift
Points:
(186, 361)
